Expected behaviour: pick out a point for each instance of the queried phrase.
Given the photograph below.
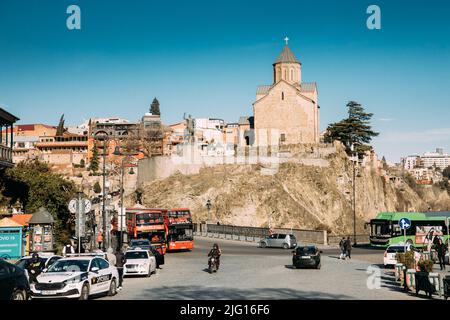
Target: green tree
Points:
(97, 188)
(446, 172)
(355, 129)
(154, 107)
(94, 161)
(33, 184)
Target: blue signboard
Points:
(11, 243)
(404, 223)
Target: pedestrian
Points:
(110, 256)
(349, 247)
(342, 248)
(120, 262)
(441, 248)
(35, 267)
(100, 239)
(68, 249)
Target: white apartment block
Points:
(438, 159)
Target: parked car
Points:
(306, 257)
(139, 262)
(146, 245)
(279, 240)
(13, 282)
(390, 253)
(76, 277)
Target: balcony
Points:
(5, 156)
(7, 121)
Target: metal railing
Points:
(5, 154)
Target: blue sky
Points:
(207, 57)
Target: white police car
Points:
(78, 276)
(139, 262)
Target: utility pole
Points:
(105, 231)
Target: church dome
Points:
(286, 56)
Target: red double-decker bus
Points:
(180, 228)
(148, 224)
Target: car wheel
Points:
(112, 288)
(285, 246)
(149, 273)
(19, 295)
(263, 245)
(84, 292)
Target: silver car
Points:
(279, 240)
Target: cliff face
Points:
(296, 196)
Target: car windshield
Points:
(136, 243)
(136, 255)
(69, 266)
(25, 262)
(306, 250)
(396, 249)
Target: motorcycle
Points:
(212, 265)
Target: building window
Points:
(283, 137)
(282, 95)
(292, 75)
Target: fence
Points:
(255, 234)
(360, 239)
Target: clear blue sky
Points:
(207, 57)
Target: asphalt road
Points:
(249, 272)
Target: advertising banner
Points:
(11, 243)
(425, 234)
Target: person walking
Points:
(441, 249)
(342, 248)
(100, 239)
(68, 249)
(349, 247)
(120, 262)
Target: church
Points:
(286, 110)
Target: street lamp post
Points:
(105, 231)
(122, 206)
(208, 206)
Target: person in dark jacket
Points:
(120, 262)
(35, 267)
(441, 249)
(215, 253)
(348, 247)
(342, 248)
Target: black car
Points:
(13, 282)
(306, 257)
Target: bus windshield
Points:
(381, 228)
(145, 219)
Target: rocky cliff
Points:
(297, 195)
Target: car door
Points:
(6, 282)
(271, 240)
(280, 240)
(152, 262)
(94, 276)
(105, 275)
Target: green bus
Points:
(385, 230)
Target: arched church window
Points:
(292, 74)
(285, 74)
(282, 95)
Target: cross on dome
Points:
(286, 39)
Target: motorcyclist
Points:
(35, 267)
(215, 253)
